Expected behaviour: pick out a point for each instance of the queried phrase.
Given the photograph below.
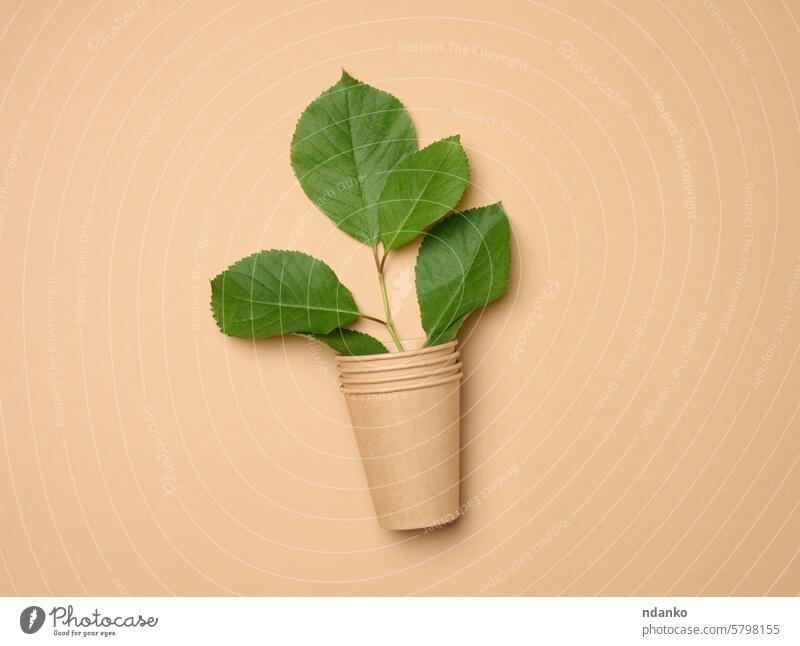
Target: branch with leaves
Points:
(354, 152)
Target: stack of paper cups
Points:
(405, 412)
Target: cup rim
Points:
(412, 386)
(425, 361)
(446, 370)
(395, 355)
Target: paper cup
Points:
(407, 432)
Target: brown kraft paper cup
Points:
(408, 437)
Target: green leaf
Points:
(421, 190)
(343, 148)
(450, 333)
(280, 292)
(350, 342)
(463, 264)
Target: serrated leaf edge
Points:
(457, 139)
(507, 265)
(357, 312)
(348, 77)
(378, 341)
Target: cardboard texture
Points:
(407, 431)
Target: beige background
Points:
(630, 407)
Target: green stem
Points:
(389, 324)
(373, 318)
